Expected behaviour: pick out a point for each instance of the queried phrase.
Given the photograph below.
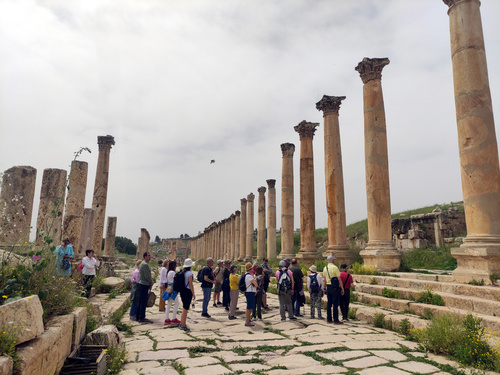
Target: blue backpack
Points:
(242, 285)
(313, 284)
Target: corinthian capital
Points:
(329, 104)
(250, 197)
(287, 149)
(271, 183)
(306, 129)
(262, 190)
(370, 69)
(105, 142)
(243, 201)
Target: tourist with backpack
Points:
(314, 286)
(334, 288)
(345, 299)
(285, 288)
(186, 290)
(250, 291)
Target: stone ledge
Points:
(6, 365)
(25, 312)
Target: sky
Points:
(179, 83)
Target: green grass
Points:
(431, 258)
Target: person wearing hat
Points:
(251, 290)
(225, 284)
(285, 287)
(219, 278)
(187, 294)
(234, 291)
(315, 288)
(332, 285)
(345, 299)
(267, 271)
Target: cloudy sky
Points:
(178, 83)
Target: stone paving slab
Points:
(181, 344)
(163, 355)
(254, 344)
(361, 344)
(261, 336)
(419, 367)
(344, 355)
(365, 362)
(198, 361)
(140, 345)
(207, 370)
(229, 356)
(163, 370)
(325, 339)
(314, 348)
(248, 366)
(382, 370)
(298, 361)
(390, 355)
(328, 369)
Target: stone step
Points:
(440, 285)
(489, 321)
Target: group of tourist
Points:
(254, 284)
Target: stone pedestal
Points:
(243, 230)
(334, 179)
(109, 243)
(51, 206)
(16, 204)
(75, 204)
(250, 228)
(287, 213)
(261, 223)
(479, 256)
(380, 251)
(271, 219)
(307, 251)
(101, 190)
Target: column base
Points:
(340, 252)
(307, 256)
(477, 259)
(285, 254)
(382, 255)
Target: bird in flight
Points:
(212, 161)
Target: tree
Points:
(125, 245)
(157, 239)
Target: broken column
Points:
(16, 204)
(287, 213)
(243, 230)
(380, 251)
(143, 244)
(334, 179)
(101, 190)
(307, 250)
(250, 228)
(75, 204)
(51, 208)
(271, 219)
(109, 243)
(479, 256)
(261, 223)
(88, 224)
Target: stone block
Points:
(79, 323)
(104, 335)
(25, 313)
(113, 282)
(6, 365)
(420, 243)
(46, 353)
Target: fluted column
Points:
(250, 228)
(75, 204)
(271, 219)
(16, 204)
(101, 190)
(380, 251)
(109, 243)
(261, 223)
(287, 213)
(243, 230)
(237, 235)
(334, 179)
(479, 256)
(307, 251)
(52, 196)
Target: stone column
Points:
(334, 178)
(271, 219)
(109, 243)
(307, 251)
(75, 204)
(51, 206)
(287, 209)
(243, 230)
(143, 243)
(479, 256)
(237, 235)
(101, 190)
(250, 228)
(174, 250)
(16, 204)
(88, 224)
(380, 251)
(261, 223)
(232, 237)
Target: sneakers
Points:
(184, 328)
(206, 315)
(227, 308)
(249, 325)
(345, 320)
(167, 322)
(338, 322)
(232, 317)
(320, 317)
(215, 305)
(292, 318)
(283, 320)
(175, 322)
(312, 317)
(219, 303)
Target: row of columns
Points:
(60, 215)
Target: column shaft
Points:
(250, 228)
(287, 205)
(243, 230)
(261, 223)
(109, 243)
(271, 219)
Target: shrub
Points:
(477, 282)
(405, 326)
(379, 321)
(430, 298)
(116, 358)
(493, 278)
(443, 334)
(351, 314)
(391, 293)
(373, 281)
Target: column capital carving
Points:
(450, 3)
(287, 149)
(329, 104)
(271, 183)
(105, 142)
(233, 216)
(262, 190)
(370, 69)
(237, 213)
(306, 129)
(250, 197)
(243, 201)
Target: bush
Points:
(116, 359)
(391, 293)
(430, 298)
(379, 321)
(351, 314)
(405, 326)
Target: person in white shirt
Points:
(251, 290)
(90, 263)
(163, 284)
